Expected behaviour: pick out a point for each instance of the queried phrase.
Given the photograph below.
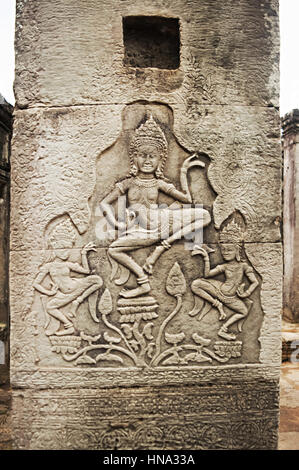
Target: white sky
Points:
(289, 61)
(7, 62)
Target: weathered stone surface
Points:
(54, 173)
(290, 126)
(5, 137)
(146, 262)
(64, 156)
(229, 53)
(101, 323)
(205, 417)
(5, 406)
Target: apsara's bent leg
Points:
(241, 309)
(190, 220)
(119, 250)
(86, 287)
(207, 291)
(53, 309)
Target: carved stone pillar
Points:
(5, 137)
(290, 126)
(146, 259)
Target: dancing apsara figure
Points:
(231, 292)
(146, 223)
(66, 290)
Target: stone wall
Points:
(290, 126)
(137, 325)
(5, 137)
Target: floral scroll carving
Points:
(151, 325)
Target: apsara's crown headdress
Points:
(149, 134)
(62, 236)
(231, 233)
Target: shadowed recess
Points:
(151, 41)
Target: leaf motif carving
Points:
(150, 350)
(109, 357)
(197, 357)
(90, 339)
(147, 330)
(127, 331)
(200, 340)
(111, 339)
(174, 359)
(134, 345)
(176, 283)
(174, 339)
(105, 305)
(85, 360)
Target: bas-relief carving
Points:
(204, 411)
(145, 223)
(244, 171)
(231, 292)
(131, 326)
(255, 434)
(54, 176)
(66, 290)
(86, 330)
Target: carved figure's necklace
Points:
(145, 183)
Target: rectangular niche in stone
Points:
(151, 41)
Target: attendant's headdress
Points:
(62, 236)
(232, 233)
